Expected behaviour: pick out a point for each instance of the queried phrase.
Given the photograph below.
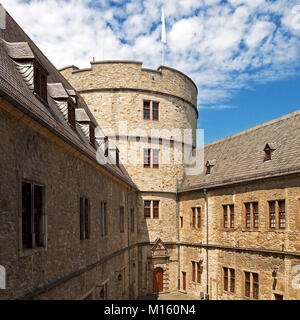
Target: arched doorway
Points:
(158, 281)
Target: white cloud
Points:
(221, 46)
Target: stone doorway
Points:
(158, 280)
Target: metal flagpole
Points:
(163, 34)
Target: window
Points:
(228, 221)
(155, 111)
(198, 272)
(248, 215)
(122, 219)
(155, 209)
(255, 285)
(40, 82)
(225, 279)
(151, 205)
(196, 217)
(147, 158)
(92, 134)
(251, 208)
(155, 158)
(181, 222)
(117, 157)
(147, 209)
(84, 219)
(193, 271)
(232, 280)
(231, 208)
(281, 206)
(33, 218)
(268, 153)
(255, 215)
(148, 105)
(277, 207)
(208, 170)
(247, 284)
(132, 220)
(146, 110)
(106, 147)
(225, 217)
(103, 217)
(71, 114)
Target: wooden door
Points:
(184, 281)
(158, 282)
(278, 296)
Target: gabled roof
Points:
(57, 91)
(15, 44)
(240, 157)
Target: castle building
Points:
(96, 201)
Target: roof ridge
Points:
(264, 124)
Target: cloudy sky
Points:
(244, 55)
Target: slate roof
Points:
(240, 157)
(14, 89)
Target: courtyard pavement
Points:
(169, 296)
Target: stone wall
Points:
(66, 268)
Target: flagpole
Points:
(163, 35)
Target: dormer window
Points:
(106, 146)
(268, 152)
(40, 82)
(209, 166)
(71, 114)
(92, 134)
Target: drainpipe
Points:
(128, 232)
(207, 277)
(178, 232)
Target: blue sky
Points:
(244, 55)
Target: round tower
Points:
(150, 112)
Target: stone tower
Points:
(119, 91)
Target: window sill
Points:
(229, 230)
(251, 230)
(30, 252)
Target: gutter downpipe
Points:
(207, 277)
(178, 232)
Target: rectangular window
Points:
(248, 215)
(103, 219)
(71, 114)
(281, 207)
(92, 135)
(155, 209)
(272, 214)
(132, 220)
(121, 219)
(255, 215)
(225, 217)
(193, 271)
(247, 284)
(231, 208)
(33, 219)
(155, 158)
(255, 285)
(198, 272)
(84, 218)
(232, 280)
(198, 217)
(40, 82)
(146, 110)
(155, 111)
(147, 158)
(194, 217)
(147, 209)
(225, 277)
(181, 222)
